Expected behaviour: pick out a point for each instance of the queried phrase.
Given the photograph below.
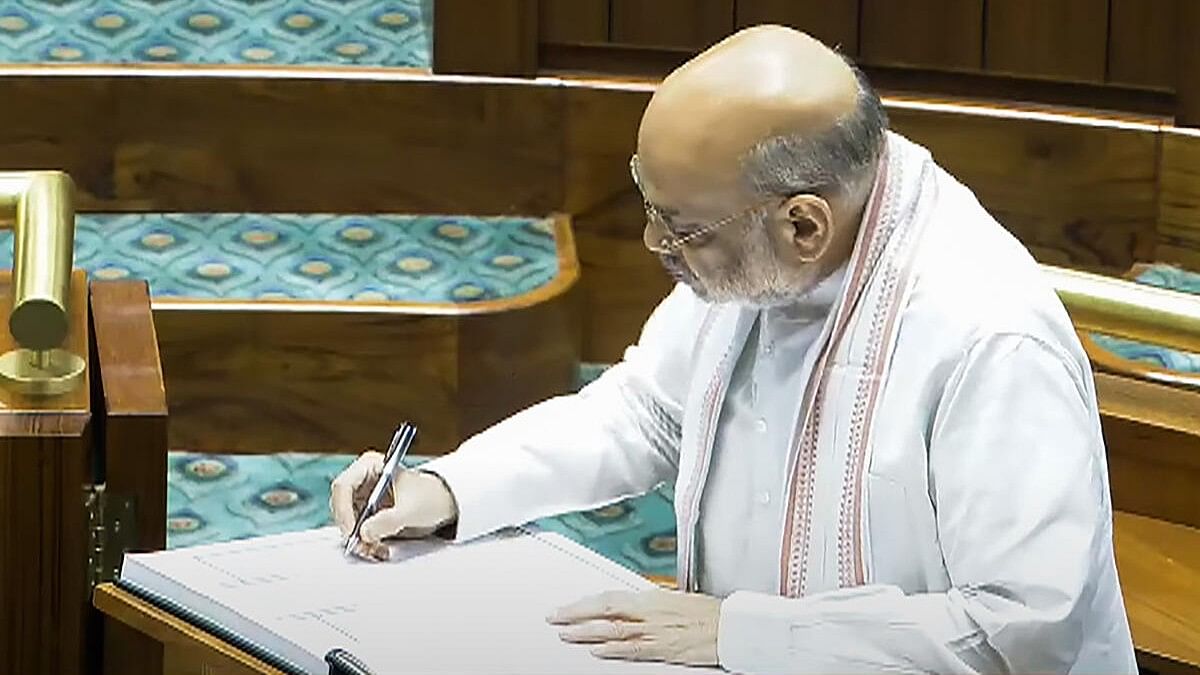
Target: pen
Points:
(397, 449)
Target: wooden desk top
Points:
(1159, 565)
(220, 656)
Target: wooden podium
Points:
(82, 478)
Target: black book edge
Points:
(340, 661)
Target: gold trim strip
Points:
(1129, 310)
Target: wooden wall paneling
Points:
(411, 144)
(403, 142)
(269, 381)
(936, 34)
(1178, 236)
(1141, 43)
(486, 37)
(1076, 194)
(834, 22)
(47, 132)
(1187, 63)
(673, 24)
(502, 371)
(621, 280)
(1057, 39)
(572, 21)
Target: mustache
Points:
(677, 269)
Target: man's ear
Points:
(810, 226)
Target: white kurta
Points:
(987, 536)
(742, 510)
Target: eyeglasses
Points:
(670, 243)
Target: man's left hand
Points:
(647, 626)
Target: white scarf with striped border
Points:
(832, 438)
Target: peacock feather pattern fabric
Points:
(317, 257)
(394, 33)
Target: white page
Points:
(478, 607)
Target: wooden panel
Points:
(1141, 43)
(1178, 239)
(260, 381)
(44, 465)
(937, 34)
(1187, 63)
(1077, 194)
(398, 142)
(134, 403)
(490, 37)
(129, 395)
(622, 281)
(1159, 564)
(572, 21)
(679, 24)
(502, 368)
(1063, 39)
(1153, 439)
(420, 144)
(834, 22)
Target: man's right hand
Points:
(418, 504)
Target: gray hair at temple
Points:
(833, 161)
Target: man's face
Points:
(738, 260)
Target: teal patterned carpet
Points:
(315, 257)
(394, 33)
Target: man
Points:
(882, 428)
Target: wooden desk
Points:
(1159, 564)
(187, 650)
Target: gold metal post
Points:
(1129, 310)
(40, 207)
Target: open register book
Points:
(294, 601)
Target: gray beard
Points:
(758, 279)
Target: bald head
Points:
(759, 153)
(760, 83)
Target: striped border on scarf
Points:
(851, 530)
(801, 472)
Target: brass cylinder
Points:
(42, 208)
(1129, 310)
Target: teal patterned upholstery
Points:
(317, 257)
(1162, 276)
(313, 32)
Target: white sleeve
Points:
(617, 437)
(1016, 472)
